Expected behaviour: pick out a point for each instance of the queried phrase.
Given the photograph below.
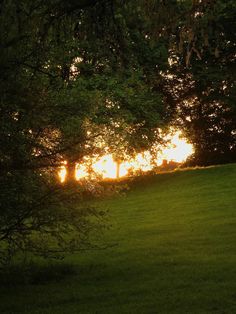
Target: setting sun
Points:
(177, 150)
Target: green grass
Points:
(175, 252)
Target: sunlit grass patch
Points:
(173, 250)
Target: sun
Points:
(177, 150)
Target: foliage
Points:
(70, 74)
(202, 89)
(94, 76)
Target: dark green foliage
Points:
(68, 76)
(204, 83)
(75, 75)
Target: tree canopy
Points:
(78, 73)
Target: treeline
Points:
(95, 76)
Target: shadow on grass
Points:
(34, 274)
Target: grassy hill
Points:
(175, 252)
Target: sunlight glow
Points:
(177, 150)
(81, 171)
(62, 173)
(106, 167)
(142, 162)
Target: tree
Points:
(81, 77)
(69, 74)
(200, 85)
(38, 215)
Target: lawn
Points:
(173, 250)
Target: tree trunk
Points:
(117, 169)
(70, 177)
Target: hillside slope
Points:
(174, 238)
